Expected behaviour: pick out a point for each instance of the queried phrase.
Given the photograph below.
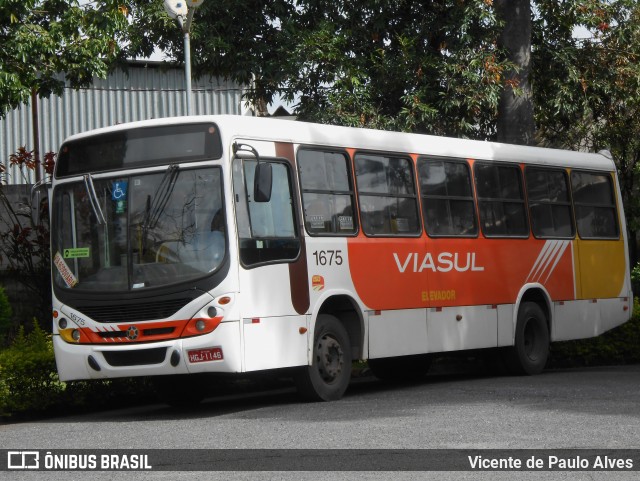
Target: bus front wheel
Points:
(529, 353)
(327, 378)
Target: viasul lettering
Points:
(443, 262)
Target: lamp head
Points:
(176, 8)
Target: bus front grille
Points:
(140, 357)
(146, 311)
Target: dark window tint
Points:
(501, 200)
(595, 206)
(447, 198)
(327, 193)
(549, 203)
(388, 204)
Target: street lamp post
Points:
(182, 11)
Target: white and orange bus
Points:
(225, 244)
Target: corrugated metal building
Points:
(147, 90)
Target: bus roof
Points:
(274, 129)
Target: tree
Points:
(515, 110)
(45, 41)
(237, 39)
(429, 67)
(587, 87)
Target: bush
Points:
(28, 378)
(29, 382)
(635, 278)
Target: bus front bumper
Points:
(218, 351)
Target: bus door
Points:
(272, 275)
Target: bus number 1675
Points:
(328, 258)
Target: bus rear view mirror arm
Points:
(263, 179)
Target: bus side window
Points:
(387, 194)
(266, 230)
(501, 200)
(327, 192)
(447, 198)
(549, 203)
(595, 205)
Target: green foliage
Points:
(635, 278)
(44, 41)
(238, 39)
(29, 382)
(406, 65)
(24, 245)
(635, 275)
(5, 316)
(424, 68)
(28, 379)
(618, 346)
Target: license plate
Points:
(205, 355)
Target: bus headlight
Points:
(200, 325)
(70, 335)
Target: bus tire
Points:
(328, 376)
(400, 369)
(529, 353)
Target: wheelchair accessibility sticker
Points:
(119, 190)
(119, 195)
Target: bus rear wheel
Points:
(529, 353)
(327, 378)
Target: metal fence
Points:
(147, 90)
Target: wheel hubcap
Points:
(330, 358)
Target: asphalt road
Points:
(590, 408)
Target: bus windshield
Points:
(140, 231)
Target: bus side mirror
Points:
(263, 182)
(40, 202)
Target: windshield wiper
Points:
(161, 197)
(93, 199)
